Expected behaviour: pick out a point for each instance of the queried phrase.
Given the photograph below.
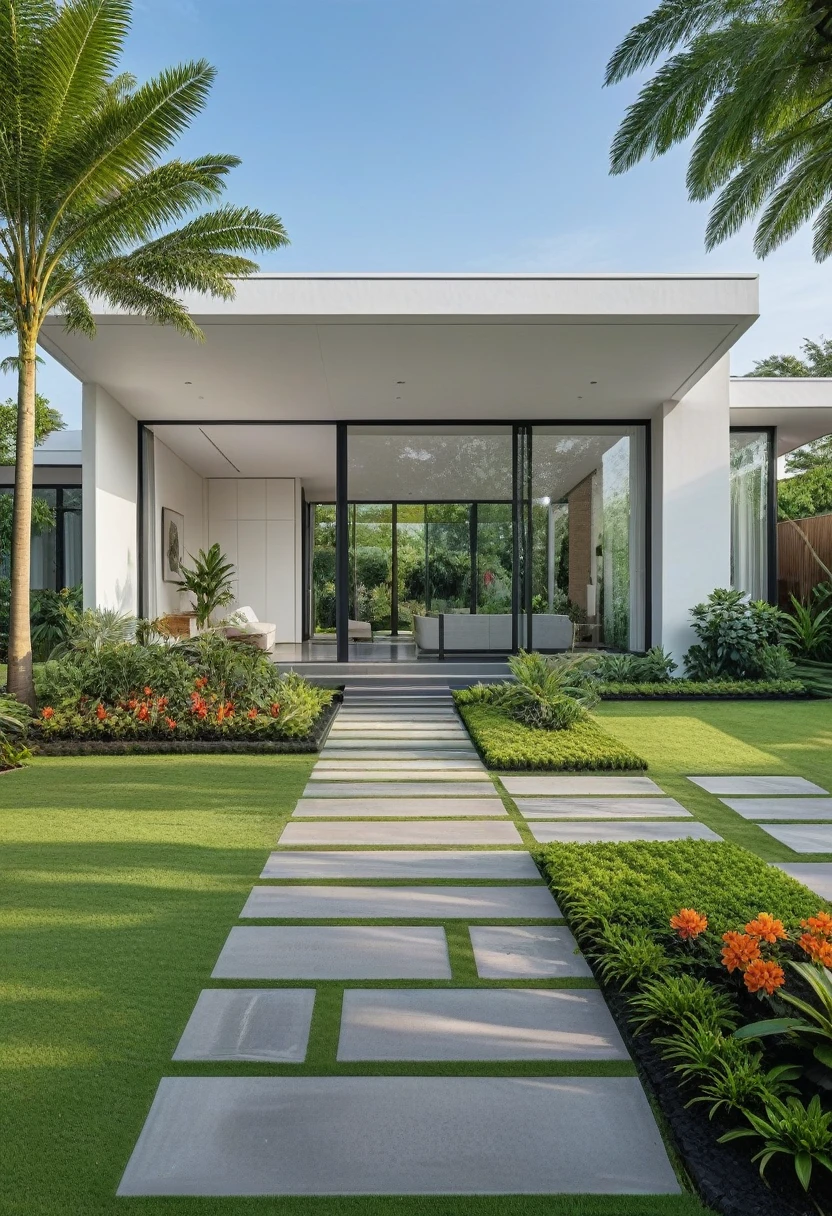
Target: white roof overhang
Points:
(800, 407)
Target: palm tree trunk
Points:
(20, 680)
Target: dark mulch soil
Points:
(191, 747)
(723, 1174)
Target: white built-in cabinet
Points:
(255, 521)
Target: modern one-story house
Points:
(464, 457)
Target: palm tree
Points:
(753, 79)
(88, 211)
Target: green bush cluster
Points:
(732, 689)
(508, 744)
(654, 667)
(739, 639)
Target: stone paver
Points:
(816, 875)
(601, 808)
(403, 832)
(334, 952)
(258, 1024)
(405, 903)
(387, 732)
(391, 789)
(478, 1024)
(757, 785)
(781, 808)
(377, 863)
(399, 1136)
(426, 746)
(403, 774)
(528, 952)
(591, 833)
(397, 808)
(805, 838)
(555, 784)
(396, 755)
(353, 763)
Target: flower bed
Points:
(505, 743)
(694, 944)
(697, 690)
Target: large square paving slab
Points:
(601, 808)
(403, 832)
(379, 863)
(803, 838)
(334, 952)
(258, 1024)
(528, 952)
(393, 789)
(399, 1136)
(416, 903)
(402, 774)
(396, 808)
(816, 875)
(478, 1024)
(757, 785)
(593, 833)
(572, 786)
(781, 808)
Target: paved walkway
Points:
(474, 1055)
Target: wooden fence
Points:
(804, 547)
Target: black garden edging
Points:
(194, 747)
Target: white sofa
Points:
(491, 631)
(243, 623)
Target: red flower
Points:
(274, 709)
(100, 712)
(132, 703)
(161, 703)
(200, 681)
(148, 691)
(48, 712)
(170, 723)
(252, 713)
(142, 713)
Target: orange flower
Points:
(224, 710)
(689, 923)
(274, 709)
(252, 713)
(200, 681)
(48, 712)
(148, 691)
(818, 949)
(161, 703)
(142, 713)
(132, 703)
(739, 950)
(766, 928)
(761, 974)
(170, 723)
(820, 924)
(100, 712)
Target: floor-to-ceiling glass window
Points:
(56, 545)
(751, 472)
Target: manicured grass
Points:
(507, 744)
(122, 877)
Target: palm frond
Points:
(672, 23)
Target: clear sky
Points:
(447, 135)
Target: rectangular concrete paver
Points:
(454, 744)
(816, 875)
(555, 784)
(397, 808)
(411, 903)
(601, 808)
(334, 952)
(391, 789)
(403, 832)
(478, 1024)
(378, 863)
(402, 774)
(396, 755)
(399, 1136)
(592, 833)
(781, 808)
(258, 1024)
(757, 785)
(527, 952)
(803, 838)
(386, 765)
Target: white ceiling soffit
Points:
(433, 347)
(800, 407)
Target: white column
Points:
(691, 506)
(110, 495)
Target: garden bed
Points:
(707, 690)
(505, 743)
(640, 886)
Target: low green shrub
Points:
(507, 744)
(739, 638)
(14, 724)
(654, 667)
(665, 1001)
(730, 689)
(626, 956)
(644, 883)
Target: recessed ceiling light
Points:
(580, 398)
(188, 381)
(400, 382)
(593, 382)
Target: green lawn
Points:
(121, 880)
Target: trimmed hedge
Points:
(643, 883)
(506, 744)
(671, 690)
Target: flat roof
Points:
(799, 406)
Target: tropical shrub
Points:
(654, 667)
(505, 743)
(791, 1128)
(738, 639)
(665, 1001)
(807, 629)
(625, 956)
(209, 581)
(14, 722)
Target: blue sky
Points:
(442, 135)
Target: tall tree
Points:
(753, 80)
(88, 208)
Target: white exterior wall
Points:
(257, 523)
(179, 488)
(110, 466)
(691, 506)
